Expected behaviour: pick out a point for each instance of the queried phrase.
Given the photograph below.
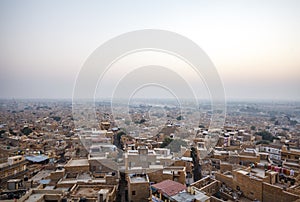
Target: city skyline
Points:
(149, 101)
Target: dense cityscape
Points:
(149, 101)
(44, 157)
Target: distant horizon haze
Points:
(254, 45)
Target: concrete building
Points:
(254, 184)
(15, 167)
(138, 188)
(273, 151)
(77, 165)
(174, 173)
(78, 171)
(93, 193)
(290, 157)
(207, 185)
(140, 158)
(166, 189)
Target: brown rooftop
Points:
(169, 187)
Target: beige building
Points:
(290, 157)
(15, 167)
(138, 188)
(255, 184)
(174, 173)
(77, 165)
(140, 158)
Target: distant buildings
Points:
(58, 162)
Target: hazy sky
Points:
(255, 45)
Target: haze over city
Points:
(149, 101)
(254, 45)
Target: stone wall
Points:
(159, 176)
(250, 186)
(77, 169)
(225, 167)
(274, 193)
(138, 192)
(211, 188)
(227, 179)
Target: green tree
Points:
(142, 121)
(56, 118)
(179, 118)
(166, 142)
(262, 142)
(266, 135)
(197, 168)
(201, 126)
(26, 131)
(117, 139)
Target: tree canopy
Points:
(266, 135)
(26, 131)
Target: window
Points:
(133, 193)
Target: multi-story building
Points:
(15, 167)
(255, 184)
(273, 151)
(138, 188)
(290, 157)
(174, 173)
(140, 158)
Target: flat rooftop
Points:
(77, 162)
(295, 150)
(259, 172)
(90, 192)
(34, 197)
(185, 196)
(136, 178)
(84, 176)
(2, 165)
(174, 168)
(41, 175)
(243, 172)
